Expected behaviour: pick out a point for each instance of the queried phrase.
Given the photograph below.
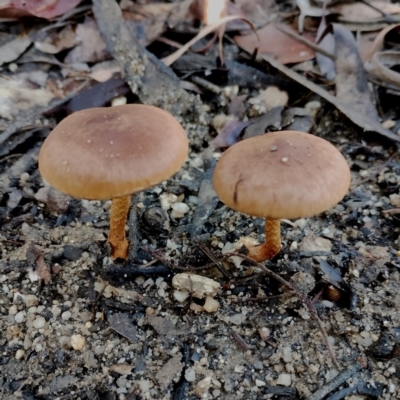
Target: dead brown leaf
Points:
(40, 8)
(276, 44)
(351, 79)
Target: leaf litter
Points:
(158, 341)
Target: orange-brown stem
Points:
(272, 245)
(116, 238)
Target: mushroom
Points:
(111, 153)
(285, 174)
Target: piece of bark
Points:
(153, 82)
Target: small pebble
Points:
(19, 354)
(211, 305)
(284, 379)
(77, 342)
(39, 322)
(190, 375)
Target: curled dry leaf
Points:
(39, 8)
(361, 12)
(379, 63)
(283, 48)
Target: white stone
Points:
(66, 315)
(264, 333)
(39, 322)
(167, 199)
(260, 383)
(202, 387)
(78, 342)
(13, 310)
(181, 295)
(284, 379)
(31, 300)
(20, 317)
(190, 375)
(19, 354)
(198, 286)
(211, 305)
(179, 210)
(145, 385)
(287, 354)
(118, 101)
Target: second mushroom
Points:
(111, 153)
(278, 175)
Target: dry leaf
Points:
(18, 94)
(231, 133)
(91, 48)
(363, 121)
(267, 100)
(11, 50)
(360, 12)
(274, 43)
(40, 8)
(351, 79)
(378, 63)
(153, 19)
(54, 42)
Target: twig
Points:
(211, 256)
(148, 77)
(335, 382)
(302, 296)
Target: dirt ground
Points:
(76, 325)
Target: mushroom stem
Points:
(272, 245)
(116, 238)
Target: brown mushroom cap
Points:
(103, 153)
(279, 175)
